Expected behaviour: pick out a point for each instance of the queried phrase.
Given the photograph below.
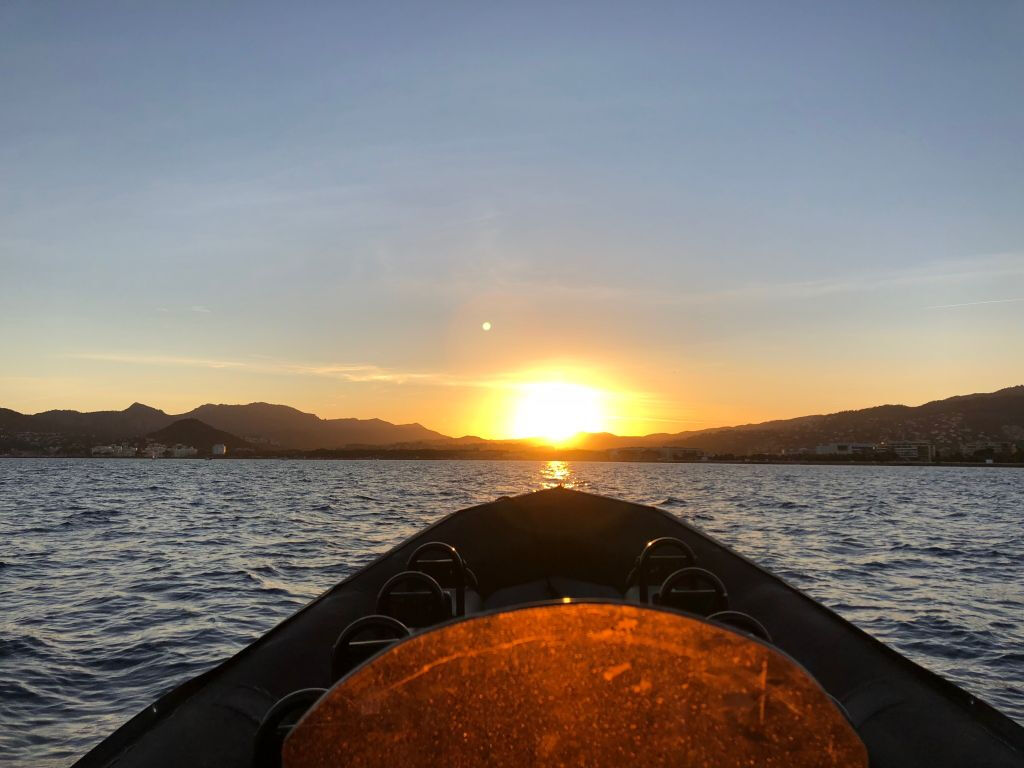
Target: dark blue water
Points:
(121, 579)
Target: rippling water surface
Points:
(121, 579)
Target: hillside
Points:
(197, 434)
(287, 427)
(948, 423)
(137, 419)
(277, 426)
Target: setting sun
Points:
(557, 410)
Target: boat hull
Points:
(549, 545)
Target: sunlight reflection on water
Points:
(556, 474)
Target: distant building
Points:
(666, 453)
(676, 453)
(636, 453)
(180, 451)
(219, 450)
(155, 450)
(993, 447)
(845, 449)
(909, 450)
(117, 451)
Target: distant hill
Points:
(266, 425)
(290, 428)
(12, 421)
(948, 423)
(197, 434)
(137, 419)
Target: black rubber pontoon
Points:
(551, 545)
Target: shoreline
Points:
(400, 455)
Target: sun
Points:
(558, 410)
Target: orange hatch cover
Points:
(576, 684)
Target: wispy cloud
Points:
(511, 276)
(352, 372)
(372, 373)
(975, 303)
(200, 309)
(357, 373)
(168, 360)
(963, 271)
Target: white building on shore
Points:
(845, 449)
(909, 450)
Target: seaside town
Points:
(895, 451)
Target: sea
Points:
(120, 579)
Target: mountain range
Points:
(260, 423)
(994, 416)
(949, 423)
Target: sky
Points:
(696, 214)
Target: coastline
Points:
(440, 455)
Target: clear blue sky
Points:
(726, 211)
